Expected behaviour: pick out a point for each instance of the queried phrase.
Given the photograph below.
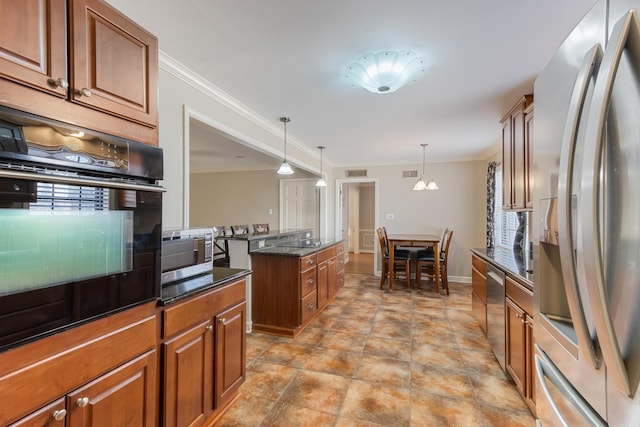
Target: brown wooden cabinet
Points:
(515, 156)
(519, 338)
(203, 347)
(230, 353)
(112, 66)
(479, 291)
(528, 151)
(78, 377)
(288, 291)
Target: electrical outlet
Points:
(270, 211)
(388, 216)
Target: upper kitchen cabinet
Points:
(81, 62)
(516, 128)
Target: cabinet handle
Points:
(310, 305)
(223, 320)
(209, 328)
(59, 414)
(518, 316)
(310, 281)
(82, 402)
(83, 92)
(59, 83)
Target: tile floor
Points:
(379, 358)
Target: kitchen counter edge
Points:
(177, 291)
(518, 267)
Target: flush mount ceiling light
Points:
(421, 185)
(285, 169)
(385, 71)
(321, 182)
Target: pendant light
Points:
(321, 182)
(421, 185)
(285, 169)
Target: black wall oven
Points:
(80, 225)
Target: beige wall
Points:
(459, 204)
(234, 198)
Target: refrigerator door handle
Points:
(546, 370)
(590, 208)
(586, 73)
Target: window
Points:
(505, 223)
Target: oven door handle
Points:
(74, 180)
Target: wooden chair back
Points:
(260, 228)
(240, 229)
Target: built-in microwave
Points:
(186, 253)
(80, 225)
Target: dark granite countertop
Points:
(296, 250)
(267, 235)
(517, 264)
(176, 291)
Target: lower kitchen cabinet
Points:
(479, 291)
(102, 373)
(203, 350)
(519, 338)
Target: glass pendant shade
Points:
(321, 182)
(285, 168)
(421, 185)
(385, 71)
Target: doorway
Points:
(356, 221)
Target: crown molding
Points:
(198, 82)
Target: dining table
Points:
(414, 240)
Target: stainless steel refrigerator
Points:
(586, 228)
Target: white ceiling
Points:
(287, 57)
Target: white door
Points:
(299, 204)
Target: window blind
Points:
(505, 223)
(64, 197)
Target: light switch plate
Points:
(388, 216)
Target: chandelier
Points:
(421, 185)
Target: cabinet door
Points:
(323, 283)
(33, 40)
(332, 275)
(230, 353)
(515, 351)
(114, 62)
(528, 147)
(125, 396)
(530, 373)
(52, 415)
(507, 157)
(188, 373)
(518, 159)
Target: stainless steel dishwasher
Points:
(496, 313)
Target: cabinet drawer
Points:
(479, 284)
(326, 254)
(307, 282)
(479, 309)
(308, 306)
(519, 294)
(183, 315)
(308, 262)
(479, 264)
(340, 248)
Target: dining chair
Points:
(260, 228)
(401, 258)
(240, 229)
(220, 247)
(425, 261)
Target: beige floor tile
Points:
(285, 414)
(247, 411)
(336, 362)
(287, 353)
(345, 341)
(311, 335)
(379, 404)
(393, 330)
(316, 390)
(444, 382)
(437, 356)
(500, 417)
(388, 348)
(432, 410)
(497, 392)
(381, 370)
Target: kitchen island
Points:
(293, 283)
